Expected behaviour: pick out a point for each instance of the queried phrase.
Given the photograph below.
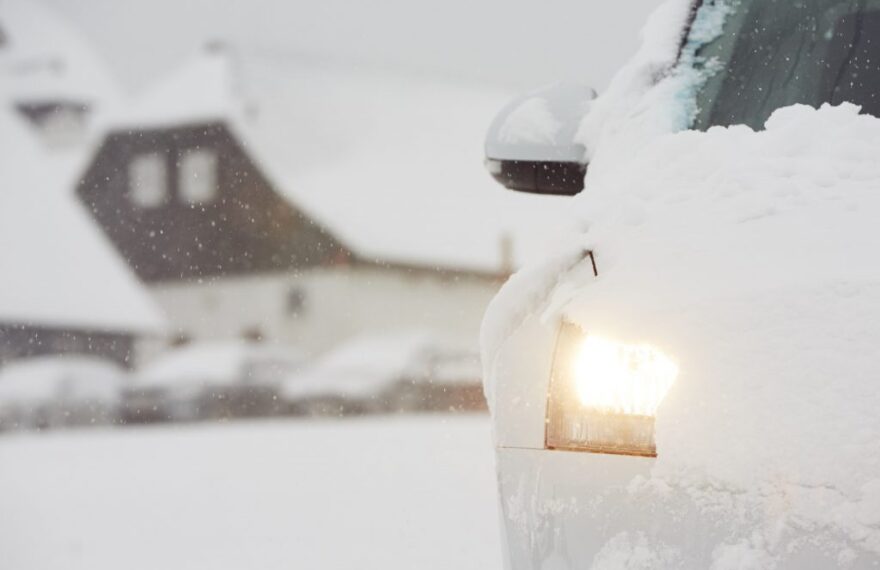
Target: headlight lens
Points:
(604, 394)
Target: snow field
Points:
(375, 493)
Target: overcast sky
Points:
(514, 43)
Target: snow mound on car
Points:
(748, 257)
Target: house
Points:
(50, 75)
(64, 289)
(331, 204)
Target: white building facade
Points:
(318, 308)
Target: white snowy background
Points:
(393, 493)
(384, 493)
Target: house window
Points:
(198, 176)
(148, 180)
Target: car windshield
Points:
(775, 53)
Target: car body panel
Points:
(566, 510)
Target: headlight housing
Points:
(604, 394)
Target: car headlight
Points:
(604, 394)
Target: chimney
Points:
(232, 56)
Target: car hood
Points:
(747, 257)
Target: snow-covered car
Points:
(451, 381)
(55, 391)
(692, 381)
(211, 380)
(407, 371)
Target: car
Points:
(402, 371)
(450, 381)
(211, 380)
(45, 392)
(691, 381)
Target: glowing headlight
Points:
(604, 395)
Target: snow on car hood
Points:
(748, 257)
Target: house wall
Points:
(317, 308)
(20, 341)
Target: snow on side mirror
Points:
(530, 145)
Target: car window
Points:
(776, 53)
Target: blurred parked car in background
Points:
(451, 382)
(56, 391)
(390, 373)
(211, 381)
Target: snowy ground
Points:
(404, 493)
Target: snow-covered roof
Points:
(391, 165)
(45, 59)
(219, 364)
(200, 90)
(56, 267)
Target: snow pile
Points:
(219, 364)
(68, 379)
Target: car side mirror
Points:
(530, 146)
